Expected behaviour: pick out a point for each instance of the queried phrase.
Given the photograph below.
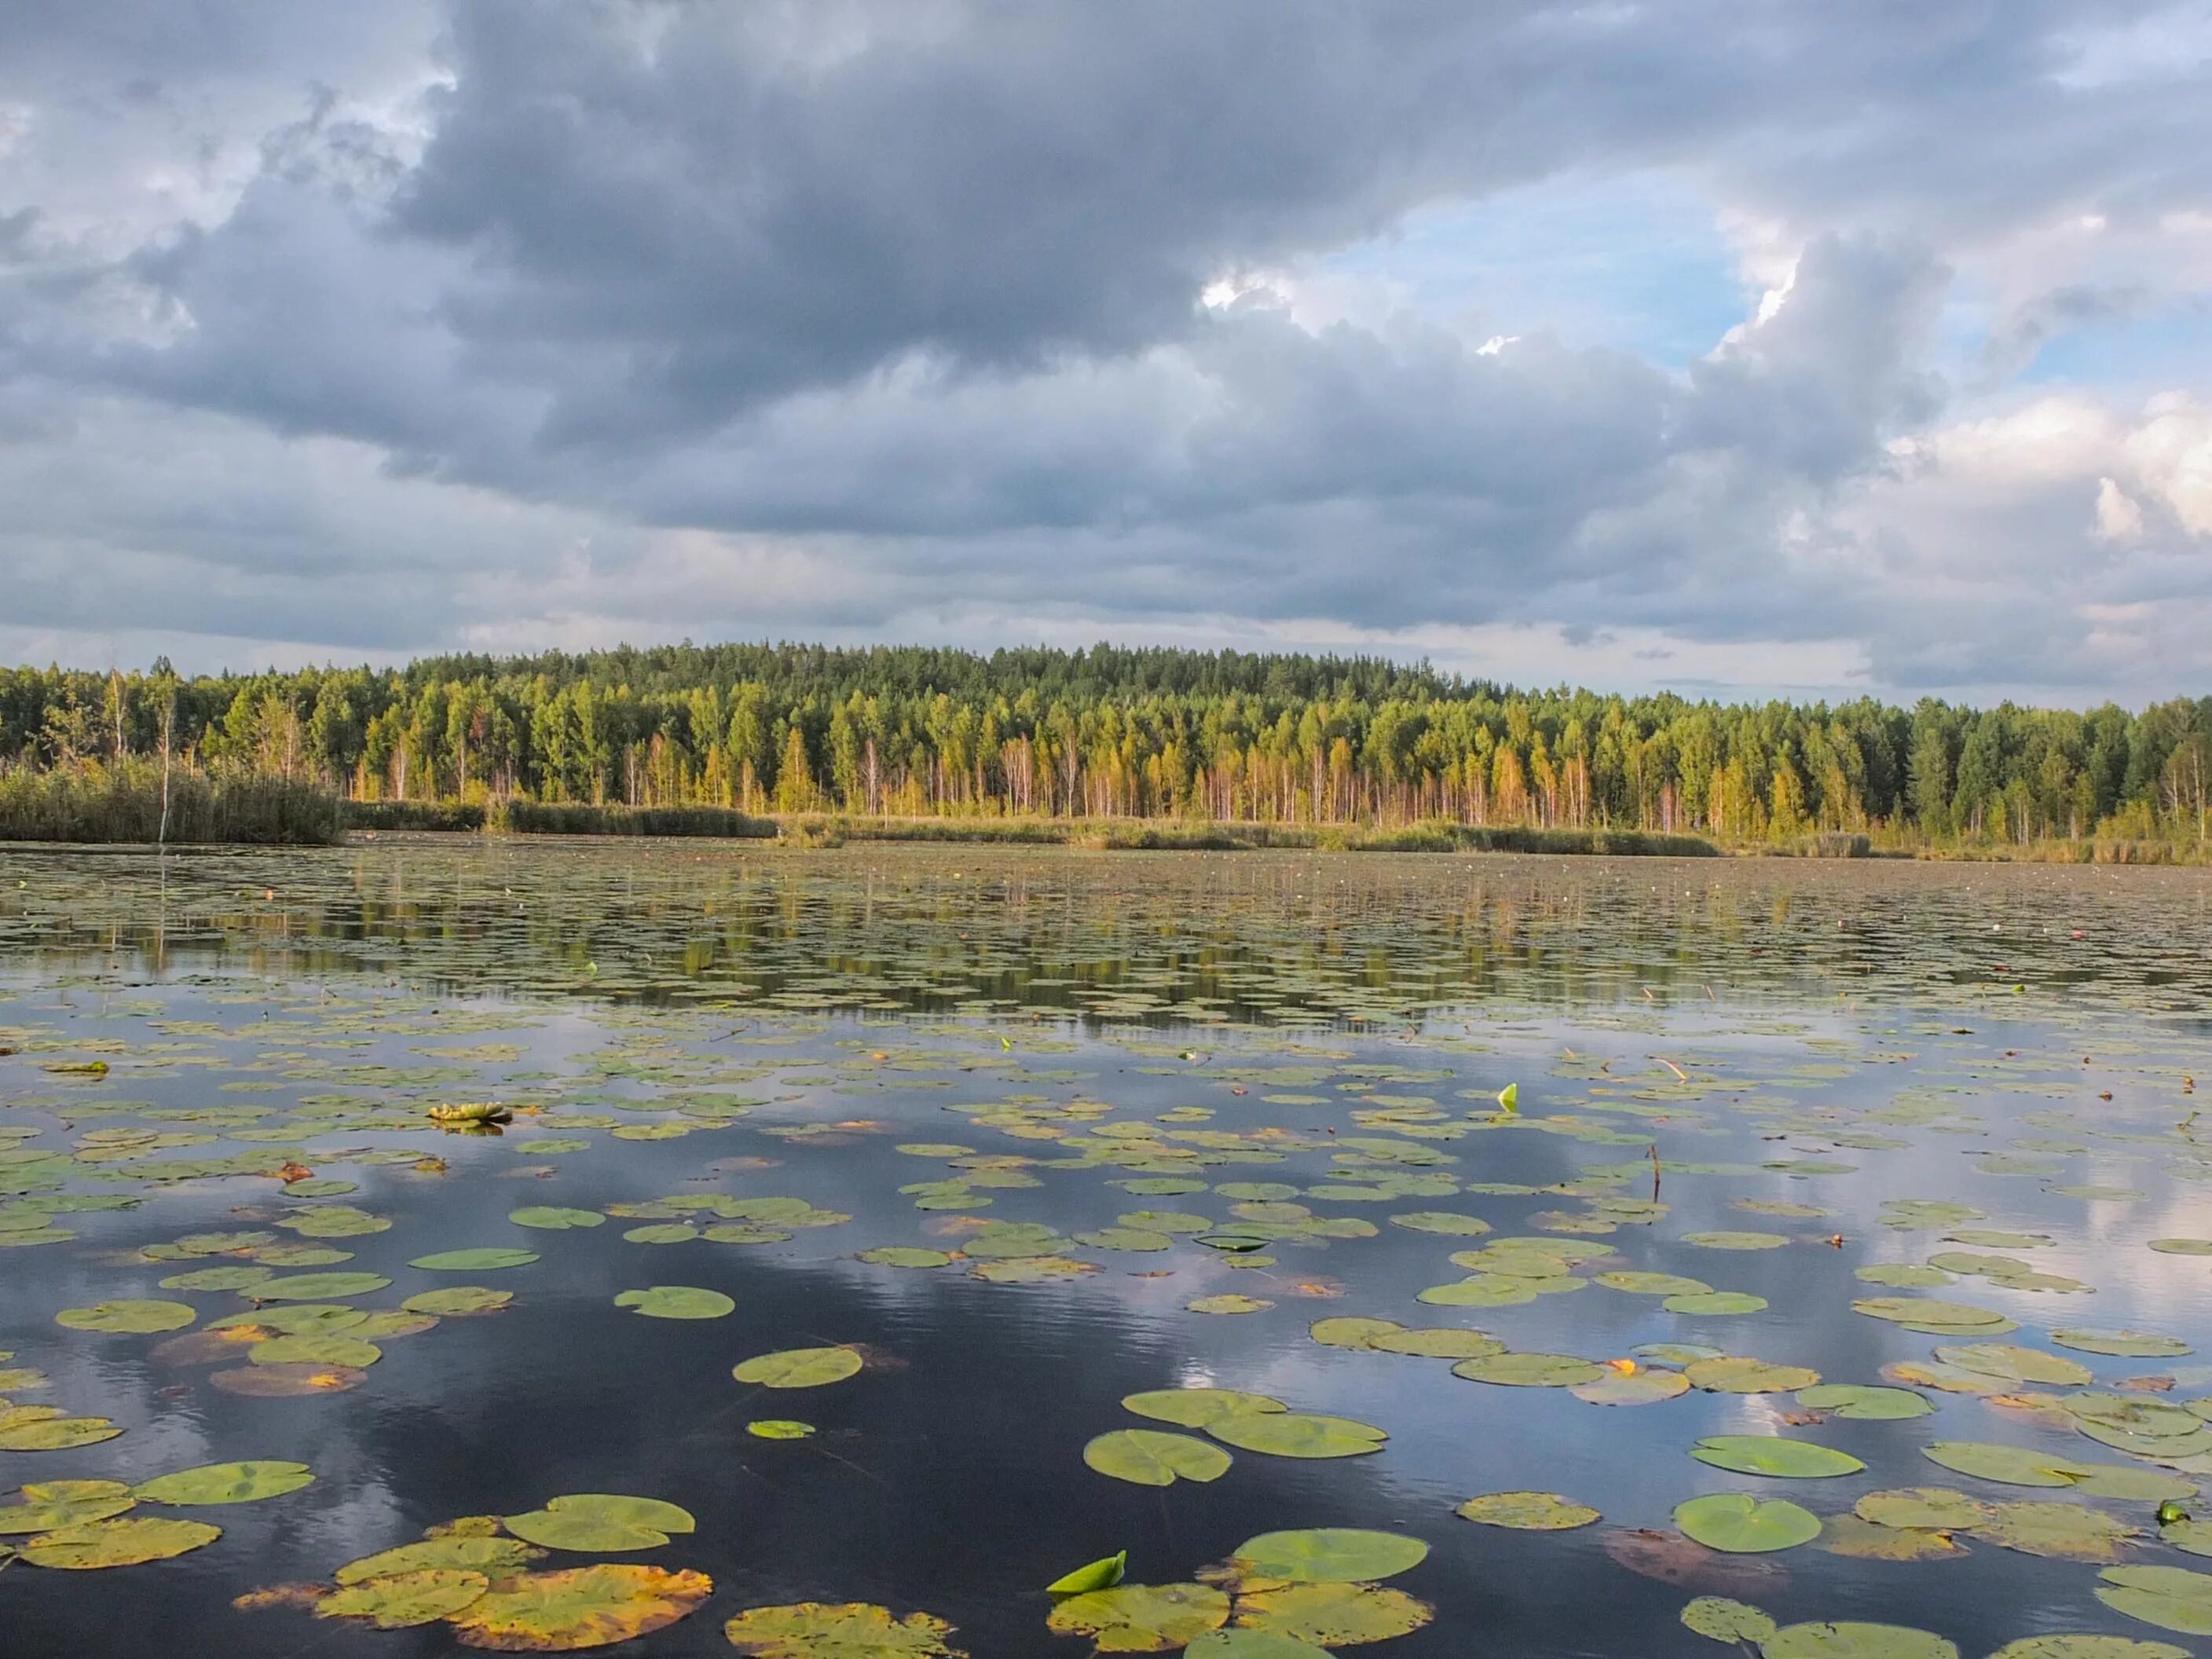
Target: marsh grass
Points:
(122, 802)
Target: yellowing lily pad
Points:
(2122, 1344)
(591, 1606)
(850, 1630)
(1333, 1615)
(458, 1301)
(1527, 1512)
(800, 1368)
(1720, 1619)
(1136, 1618)
(496, 1558)
(48, 1506)
(128, 1542)
(404, 1599)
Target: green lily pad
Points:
(1847, 1640)
(1250, 1645)
(1197, 1408)
(44, 1428)
(128, 1542)
(1483, 1290)
(552, 1219)
(1153, 1457)
(1329, 1555)
(1904, 1275)
(677, 1302)
(316, 1348)
(1939, 1508)
(800, 1368)
(582, 1606)
(601, 1524)
(225, 1483)
(1740, 1524)
(1232, 1303)
(1732, 1374)
(127, 1317)
(1736, 1241)
(1648, 1284)
(779, 1428)
(2010, 1466)
(1298, 1434)
(1929, 1314)
(1445, 1222)
(2088, 1647)
(1134, 1618)
(2015, 1364)
(1712, 1302)
(1527, 1512)
(458, 1301)
(1530, 1370)
(1774, 1455)
(496, 1558)
(1101, 1574)
(1638, 1387)
(1720, 1619)
(2122, 1344)
(905, 1256)
(1859, 1540)
(2173, 1598)
(852, 1630)
(219, 1279)
(1351, 1332)
(51, 1506)
(473, 1262)
(405, 1600)
(1865, 1402)
(1438, 1342)
(318, 1287)
(1333, 1615)
(2064, 1532)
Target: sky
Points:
(1744, 348)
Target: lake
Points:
(1870, 1202)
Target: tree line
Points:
(1123, 733)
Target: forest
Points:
(1114, 733)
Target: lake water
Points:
(1093, 1090)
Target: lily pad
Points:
(1333, 1615)
(1929, 1314)
(474, 1261)
(496, 1558)
(905, 1256)
(591, 1606)
(48, 1506)
(1720, 1619)
(1298, 1434)
(2088, 1647)
(128, 1542)
(318, 1287)
(1775, 1457)
(1937, 1508)
(1101, 1574)
(404, 1599)
(1848, 1640)
(2122, 1344)
(1330, 1555)
(127, 1317)
(601, 1524)
(1530, 1370)
(1153, 1457)
(1710, 1304)
(1230, 1303)
(779, 1428)
(316, 1348)
(2064, 1532)
(2173, 1598)
(800, 1368)
(1740, 1524)
(1197, 1408)
(851, 1630)
(44, 1428)
(460, 1302)
(1865, 1402)
(552, 1219)
(677, 1302)
(1527, 1512)
(1733, 1375)
(2015, 1364)
(225, 1483)
(1133, 1618)
(1636, 1387)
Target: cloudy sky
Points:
(1732, 345)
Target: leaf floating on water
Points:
(1856, 1641)
(289, 1382)
(1865, 1402)
(2016, 1364)
(1641, 1387)
(1153, 1457)
(50, 1505)
(852, 1630)
(779, 1428)
(2088, 1647)
(1197, 1408)
(1530, 1370)
(2064, 1532)
(1251, 1644)
(2173, 1598)
(128, 1542)
(1720, 1619)
(1937, 1508)
(1329, 1555)
(1333, 1615)
(677, 1302)
(1775, 1457)
(460, 1302)
(1133, 1618)
(494, 1556)
(1298, 1434)
(1102, 1574)
(1527, 1512)
(1232, 1303)
(905, 1256)
(1731, 1375)
(581, 1608)
(553, 1219)
(1938, 1318)
(1740, 1524)
(127, 1317)
(225, 1483)
(473, 1262)
(800, 1368)
(316, 1348)
(1861, 1539)
(1438, 1342)
(317, 1287)
(405, 1600)
(44, 1428)
(2122, 1344)
(601, 1524)
(1713, 1303)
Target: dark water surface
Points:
(2028, 1044)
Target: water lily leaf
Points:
(496, 1558)
(128, 1542)
(670, 1233)
(219, 1279)
(2088, 1647)
(1250, 1645)
(779, 1428)
(1863, 1540)
(1736, 1241)
(1101, 1574)
(2065, 1532)
(2182, 1246)
(1153, 1457)
(1196, 1408)
(853, 1630)
(1298, 1434)
(1333, 1615)
(473, 1262)
(1740, 1524)
(1637, 1388)
(51, 1506)
(318, 1287)
(1864, 1402)
(2193, 1536)
(1438, 1342)
(225, 1483)
(1712, 1303)
(2173, 1598)
(1648, 1284)
(1483, 1290)
(44, 1428)
(1527, 1512)
(1351, 1332)
(2122, 1344)
(905, 1256)
(1529, 1371)
(2015, 1364)
(1904, 1275)
(1774, 1455)
(1926, 1314)
(1720, 1619)
(677, 1302)
(460, 1302)
(290, 1381)
(1856, 1641)
(404, 1599)
(2010, 1466)
(316, 1348)
(600, 1523)
(1232, 1303)
(1329, 1555)
(391, 1322)
(127, 1317)
(552, 1219)
(1138, 1618)
(582, 1607)
(800, 1368)
(1732, 1375)
(1937, 1508)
